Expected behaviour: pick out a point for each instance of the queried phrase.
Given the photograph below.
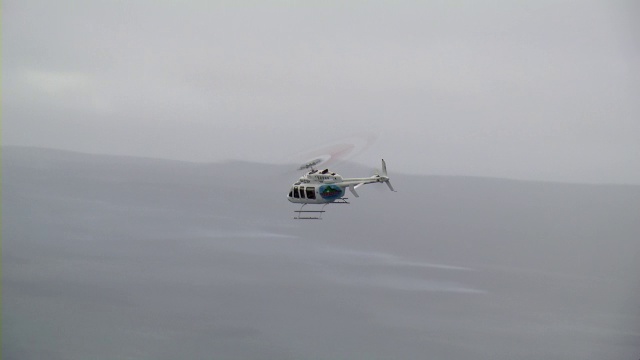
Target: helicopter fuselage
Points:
(326, 187)
(321, 187)
(317, 187)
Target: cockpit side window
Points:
(296, 194)
(311, 192)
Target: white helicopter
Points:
(326, 187)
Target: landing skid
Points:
(316, 214)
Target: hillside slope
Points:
(115, 257)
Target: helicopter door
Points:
(301, 192)
(295, 192)
(310, 192)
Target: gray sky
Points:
(530, 90)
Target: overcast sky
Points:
(545, 90)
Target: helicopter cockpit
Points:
(302, 192)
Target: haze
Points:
(117, 257)
(147, 154)
(536, 90)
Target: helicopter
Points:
(326, 187)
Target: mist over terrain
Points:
(113, 257)
(544, 90)
(510, 130)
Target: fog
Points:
(544, 90)
(148, 147)
(119, 257)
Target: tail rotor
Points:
(385, 177)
